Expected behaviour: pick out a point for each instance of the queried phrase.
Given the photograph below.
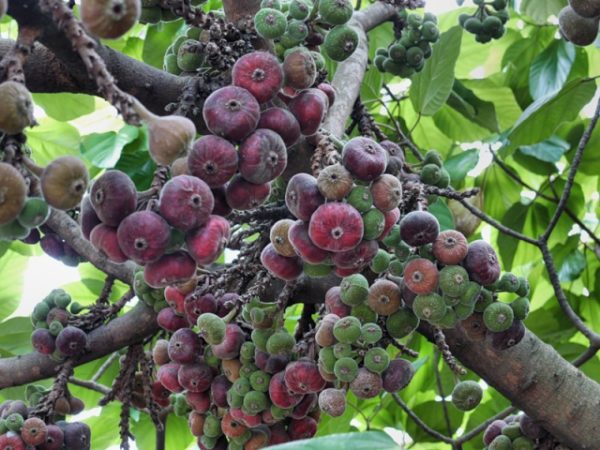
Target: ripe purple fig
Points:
(259, 73)
(104, 238)
(186, 202)
(230, 347)
(300, 240)
(263, 157)
(195, 377)
(243, 195)
(302, 196)
(419, 228)
(309, 107)
(303, 377)
(282, 267)
(71, 341)
(206, 243)
(336, 227)
(214, 160)
(356, 258)
(88, 217)
(113, 197)
(184, 346)
(364, 158)
(283, 123)
(397, 375)
(144, 236)
(173, 268)
(231, 112)
(482, 263)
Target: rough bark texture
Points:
(538, 381)
(349, 74)
(129, 329)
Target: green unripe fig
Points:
(40, 311)
(374, 224)
(492, 25)
(512, 430)
(498, 317)
(345, 369)
(430, 307)
(508, 283)
(12, 231)
(327, 358)
(414, 56)
(188, 58)
(396, 268)
(336, 12)
(316, 270)
(401, 323)
(347, 330)
(212, 328)
(484, 299)
(381, 261)
(340, 42)
(360, 197)
(392, 240)
(524, 288)
(61, 298)
(467, 395)
(397, 53)
(318, 59)
(259, 380)
(501, 443)
(523, 443)
(354, 289)
(35, 212)
(464, 310)
(14, 422)
(499, 4)
(371, 333)
(270, 23)
(212, 426)
(280, 343)
(430, 32)
(520, 307)
(300, 9)
(255, 402)
(342, 350)
(433, 157)
(260, 337)
(474, 25)
(449, 320)
(430, 174)
(376, 360)
(170, 64)
(453, 281)
(150, 15)
(274, 4)
(364, 313)
(297, 30)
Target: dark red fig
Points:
(186, 202)
(299, 69)
(364, 158)
(53, 246)
(88, 217)
(276, 363)
(214, 160)
(309, 252)
(11, 441)
(168, 320)
(43, 342)
(334, 303)
(160, 394)
(173, 268)
(221, 207)
(196, 304)
(113, 197)
(356, 258)
(104, 238)
(175, 299)
(307, 404)
(282, 267)
(336, 227)
(54, 438)
(391, 219)
(303, 377)
(302, 429)
(77, 435)
(302, 196)
(33, 237)
(184, 346)
(278, 434)
(231, 112)
(71, 341)
(259, 73)
(397, 375)
(263, 156)
(508, 338)
(419, 228)
(282, 122)
(242, 195)
(227, 302)
(206, 243)
(144, 236)
(230, 347)
(279, 393)
(395, 157)
(167, 375)
(218, 390)
(329, 91)
(195, 377)
(309, 107)
(199, 401)
(482, 263)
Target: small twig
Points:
(420, 422)
(440, 389)
(105, 365)
(479, 428)
(440, 342)
(92, 385)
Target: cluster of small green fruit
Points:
(154, 298)
(407, 55)
(53, 335)
(486, 23)
(185, 53)
(515, 432)
(300, 22)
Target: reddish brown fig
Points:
(364, 158)
(391, 219)
(230, 347)
(243, 195)
(366, 384)
(195, 377)
(419, 228)
(303, 428)
(221, 207)
(304, 247)
(199, 401)
(299, 69)
(143, 236)
(421, 276)
(263, 157)
(169, 321)
(357, 257)
(336, 227)
(206, 243)
(482, 263)
(110, 19)
(450, 247)
(13, 193)
(334, 303)
(231, 112)
(196, 304)
(214, 160)
(282, 122)
(397, 375)
(260, 74)
(184, 346)
(282, 267)
(309, 108)
(167, 375)
(88, 218)
(279, 393)
(302, 196)
(173, 268)
(387, 192)
(186, 202)
(303, 377)
(105, 239)
(113, 197)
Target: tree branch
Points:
(349, 74)
(126, 330)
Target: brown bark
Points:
(129, 329)
(236, 10)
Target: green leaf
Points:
(541, 119)
(459, 165)
(472, 107)
(539, 11)
(64, 107)
(550, 69)
(572, 267)
(158, 38)
(368, 440)
(550, 150)
(52, 139)
(431, 87)
(443, 214)
(507, 245)
(12, 268)
(104, 150)
(16, 335)
(458, 127)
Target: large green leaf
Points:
(64, 107)
(550, 150)
(551, 68)
(431, 87)
(572, 267)
(12, 268)
(444, 216)
(472, 107)
(52, 139)
(158, 38)
(541, 119)
(368, 440)
(104, 150)
(539, 11)
(459, 165)
(16, 335)
(457, 126)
